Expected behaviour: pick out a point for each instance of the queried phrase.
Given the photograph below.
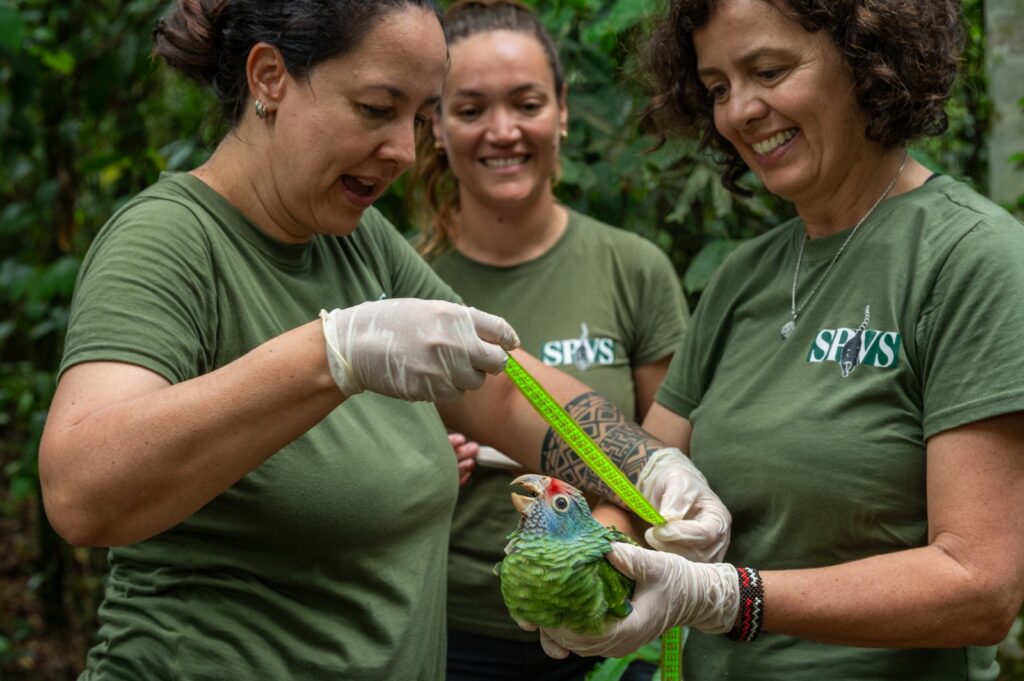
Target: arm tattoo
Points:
(625, 443)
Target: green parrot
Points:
(555, 573)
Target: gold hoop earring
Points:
(261, 108)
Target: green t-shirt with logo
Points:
(599, 303)
(328, 560)
(817, 443)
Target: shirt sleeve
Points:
(696, 357)
(144, 294)
(411, 276)
(677, 393)
(971, 327)
(665, 316)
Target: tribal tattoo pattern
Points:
(625, 443)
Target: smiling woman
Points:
(870, 479)
(765, 94)
(497, 234)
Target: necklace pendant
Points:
(787, 329)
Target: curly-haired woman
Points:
(854, 384)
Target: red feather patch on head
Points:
(556, 486)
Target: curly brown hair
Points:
(903, 57)
(433, 190)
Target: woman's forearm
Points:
(500, 416)
(920, 598)
(116, 470)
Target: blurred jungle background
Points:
(87, 119)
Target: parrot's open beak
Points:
(535, 485)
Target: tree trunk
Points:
(1004, 30)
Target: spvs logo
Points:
(852, 347)
(584, 351)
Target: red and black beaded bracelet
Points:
(748, 621)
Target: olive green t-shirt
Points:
(328, 560)
(599, 303)
(821, 461)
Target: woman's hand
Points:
(696, 521)
(466, 452)
(415, 349)
(670, 591)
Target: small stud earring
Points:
(261, 108)
(565, 133)
(438, 146)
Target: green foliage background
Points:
(87, 120)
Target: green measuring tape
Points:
(598, 461)
(580, 442)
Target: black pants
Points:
(472, 657)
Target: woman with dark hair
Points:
(600, 303)
(854, 384)
(277, 489)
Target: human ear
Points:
(266, 75)
(563, 110)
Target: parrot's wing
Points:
(615, 535)
(617, 589)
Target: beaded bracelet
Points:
(748, 621)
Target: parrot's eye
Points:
(560, 503)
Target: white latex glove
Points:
(671, 591)
(414, 349)
(696, 521)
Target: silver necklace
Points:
(790, 326)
